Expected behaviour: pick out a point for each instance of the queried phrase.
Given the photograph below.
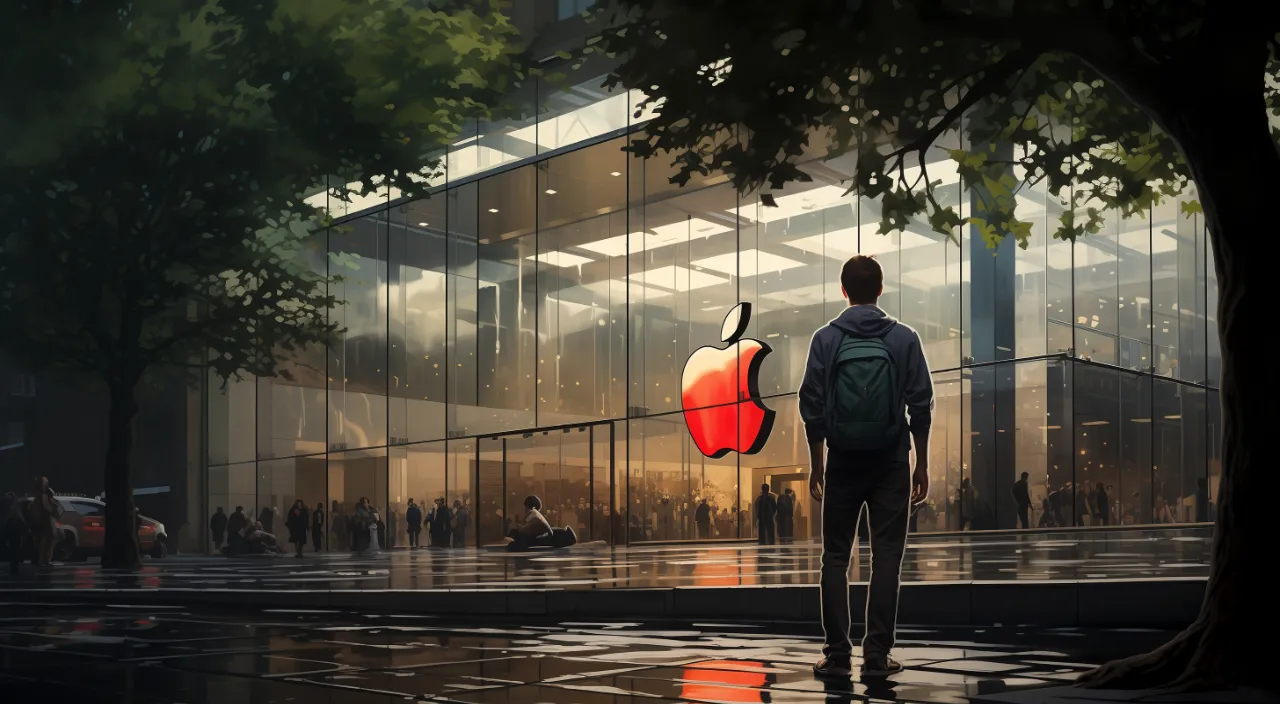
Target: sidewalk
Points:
(1150, 577)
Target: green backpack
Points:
(864, 408)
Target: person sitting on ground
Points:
(536, 531)
(257, 540)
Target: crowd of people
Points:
(363, 530)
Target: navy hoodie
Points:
(904, 346)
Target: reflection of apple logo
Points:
(720, 392)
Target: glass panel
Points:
(1098, 429)
(460, 306)
(232, 487)
(1178, 458)
(582, 285)
(783, 464)
(506, 141)
(1134, 293)
(291, 406)
(1134, 491)
(508, 373)
(232, 405)
(418, 323)
(358, 359)
(684, 281)
(490, 492)
(282, 482)
(1214, 438)
(352, 476)
(945, 459)
(672, 477)
(460, 469)
(579, 113)
(1097, 291)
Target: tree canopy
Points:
(747, 87)
(157, 159)
(157, 154)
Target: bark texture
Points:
(1221, 125)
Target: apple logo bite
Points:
(720, 391)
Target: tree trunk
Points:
(1223, 132)
(120, 547)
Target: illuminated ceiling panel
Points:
(561, 259)
(747, 263)
(676, 278)
(842, 244)
(661, 236)
(795, 204)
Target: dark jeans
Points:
(317, 537)
(1024, 516)
(886, 491)
(413, 536)
(767, 532)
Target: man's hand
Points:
(920, 483)
(815, 484)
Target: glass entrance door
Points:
(569, 468)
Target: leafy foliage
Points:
(747, 87)
(156, 154)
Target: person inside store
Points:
(298, 520)
(317, 526)
(258, 541)
(413, 523)
(441, 519)
(702, 518)
(236, 524)
(766, 509)
(218, 528)
(461, 519)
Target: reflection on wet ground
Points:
(144, 654)
(1068, 555)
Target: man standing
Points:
(766, 509)
(786, 515)
(702, 519)
(317, 526)
(1022, 499)
(461, 520)
(218, 528)
(413, 518)
(866, 395)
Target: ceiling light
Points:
(749, 262)
(1095, 422)
(563, 260)
(422, 224)
(615, 173)
(1173, 417)
(493, 210)
(550, 191)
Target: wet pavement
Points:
(1156, 553)
(162, 656)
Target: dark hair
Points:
(533, 502)
(1025, 475)
(239, 508)
(862, 279)
(764, 487)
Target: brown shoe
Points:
(832, 668)
(881, 667)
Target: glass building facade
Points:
(524, 329)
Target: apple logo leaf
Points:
(735, 323)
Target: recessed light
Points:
(422, 224)
(550, 191)
(493, 210)
(615, 173)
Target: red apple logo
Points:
(720, 392)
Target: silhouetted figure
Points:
(866, 374)
(1101, 506)
(296, 522)
(1202, 501)
(461, 521)
(766, 510)
(236, 524)
(787, 515)
(702, 519)
(967, 500)
(42, 519)
(218, 528)
(317, 526)
(441, 525)
(1022, 500)
(413, 521)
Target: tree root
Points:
(1165, 667)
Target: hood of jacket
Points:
(864, 321)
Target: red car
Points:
(81, 529)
